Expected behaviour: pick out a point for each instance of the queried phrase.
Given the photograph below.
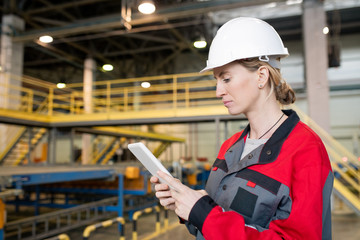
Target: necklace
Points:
(272, 126)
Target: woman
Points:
(272, 180)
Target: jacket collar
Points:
(273, 146)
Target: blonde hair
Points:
(283, 92)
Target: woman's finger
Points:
(161, 187)
(173, 182)
(167, 201)
(163, 194)
(154, 179)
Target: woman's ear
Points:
(263, 76)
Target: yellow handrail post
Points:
(137, 214)
(157, 224)
(62, 236)
(51, 101)
(174, 92)
(108, 96)
(72, 102)
(30, 101)
(78, 106)
(126, 99)
(89, 229)
(187, 95)
(166, 219)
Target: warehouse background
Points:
(184, 129)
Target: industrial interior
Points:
(81, 79)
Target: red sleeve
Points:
(219, 225)
(307, 212)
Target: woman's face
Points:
(237, 86)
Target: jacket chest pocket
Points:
(257, 197)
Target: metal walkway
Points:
(176, 98)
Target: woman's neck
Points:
(265, 121)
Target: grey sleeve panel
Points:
(191, 228)
(194, 231)
(326, 216)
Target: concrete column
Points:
(72, 147)
(11, 62)
(89, 78)
(316, 62)
(51, 157)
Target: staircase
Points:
(345, 166)
(161, 148)
(17, 151)
(108, 150)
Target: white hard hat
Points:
(242, 38)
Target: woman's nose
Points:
(220, 91)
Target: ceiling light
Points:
(325, 30)
(292, 2)
(61, 85)
(46, 39)
(107, 67)
(270, 5)
(147, 7)
(200, 43)
(145, 84)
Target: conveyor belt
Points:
(20, 170)
(32, 175)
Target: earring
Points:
(260, 86)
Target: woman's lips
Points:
(226, 103)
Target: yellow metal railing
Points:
(25, 151)
(104, 149)
(344, 164)
(137, 214)
(108, 156)
(166, 92)
(15, 134)
(161, 148)
(24, 101)
(89, 229)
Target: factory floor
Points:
(346, 225)
(145, 230)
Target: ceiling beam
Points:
(151, 38)
(60, 10)
(165, 14)
(139, 50)
(62, 6)
(126, 32)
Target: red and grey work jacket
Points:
(280, 190)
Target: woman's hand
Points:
(179, 198)
(163, 193)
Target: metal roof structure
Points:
(113, 31)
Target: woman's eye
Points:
(226, 80)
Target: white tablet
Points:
(145, 156)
